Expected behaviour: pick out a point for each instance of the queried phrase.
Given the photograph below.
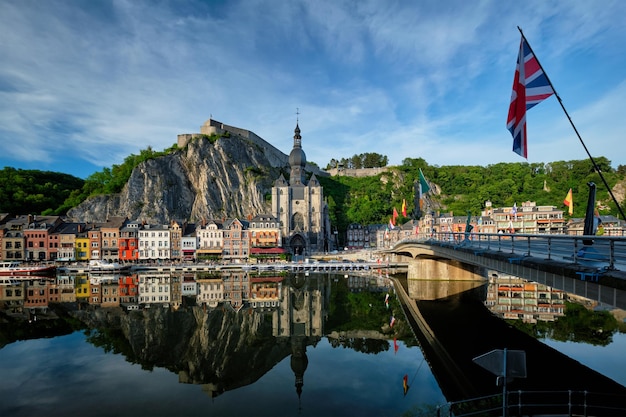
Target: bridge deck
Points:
(607, 285)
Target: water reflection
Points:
(222, 331)
(229, 331)
(545, 312)
(516, 298)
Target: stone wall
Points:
(362, 172)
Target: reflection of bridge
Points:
(562, 262)
(457, 327)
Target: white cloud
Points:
(427, 80)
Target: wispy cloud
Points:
(102, 80)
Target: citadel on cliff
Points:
(296, 223)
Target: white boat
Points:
(13, 268)
(100, 266)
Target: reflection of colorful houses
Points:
(210, 291)
(265, 292)
(518, 299)
(189, 287)
(81, 287)
(110, 289)
(66, 286)
(37, 294)
(176, 291)
(183, 285)
(12, 295)
(154, 289)
(236, 288)
(128, 289)
(94, 292)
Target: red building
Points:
(129, 242)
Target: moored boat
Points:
(14, 268)
(97, 266)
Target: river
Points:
(326, 347)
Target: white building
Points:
(210, 239)
(154, 242)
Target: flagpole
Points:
(597, 168)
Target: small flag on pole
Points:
(392, 322)
(569, 202)
(404, 207)
(405, 383)
(395, 215)
(530, 87)
(423, 183)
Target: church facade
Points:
(300, 207)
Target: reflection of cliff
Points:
(221, 348)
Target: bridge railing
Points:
(597, 251)
(521, 403)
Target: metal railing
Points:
(600, 251)
(528, 403)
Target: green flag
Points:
(424, 183)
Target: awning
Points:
(209, 251)
(267, 251)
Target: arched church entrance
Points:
(298, 247)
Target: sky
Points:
(84, 84)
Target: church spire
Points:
(297, 158)
(297, 139)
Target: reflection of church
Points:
(300, 207)
(300, 318)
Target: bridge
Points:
(590, 266)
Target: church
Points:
(300, 207)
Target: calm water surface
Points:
(69, 375)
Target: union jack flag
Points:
(530, 87)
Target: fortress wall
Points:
(273, 154)
(361, 172)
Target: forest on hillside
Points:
(371, 200)
(364, 200)
(52, 193)
(25, 191)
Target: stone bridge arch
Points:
(425, 263)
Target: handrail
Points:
(522, 402)
(606, 251)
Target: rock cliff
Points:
(205, 180)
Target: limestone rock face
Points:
(205, 180)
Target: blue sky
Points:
(83, 84)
